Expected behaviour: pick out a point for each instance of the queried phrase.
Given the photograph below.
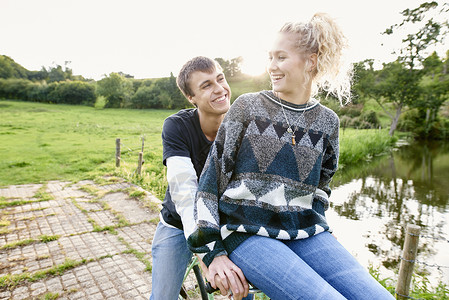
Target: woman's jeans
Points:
(314, 268)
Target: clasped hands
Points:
(225, 275)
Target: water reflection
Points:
(373, 203)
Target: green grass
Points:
(21, 243)
(358, 145)
(42, 142)
(11, 280)
(420, 287)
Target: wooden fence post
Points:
(143, 142)
(117, 153)
(139, 165)
(407, 261)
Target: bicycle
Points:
(205, 289)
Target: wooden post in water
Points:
(139, 165)
(407, 261)
(117, 153)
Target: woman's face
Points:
(286, 66)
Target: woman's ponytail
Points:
(323, 37)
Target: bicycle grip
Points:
(210, 289)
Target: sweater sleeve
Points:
(329, 165)
(206, 241)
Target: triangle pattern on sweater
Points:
(315, 137)
(306, 141)
(279, 129)
(260, 190)
(299, 135)
(254, 128)
(248, 159)
(240, 192)
(261, 125)
(275, 197)
(202, 209)
(305, 158)
(266, 152)
(278, 166)
(313, 175)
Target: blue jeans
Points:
(171, 256)
(314, 268)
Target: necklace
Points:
(290, 129)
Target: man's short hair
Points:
(199, 63)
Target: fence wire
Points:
(408, 297)
(439, 267)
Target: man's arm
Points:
(183, 184)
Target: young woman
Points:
(262, 197)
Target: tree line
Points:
(57, 84)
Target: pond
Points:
(372, 204)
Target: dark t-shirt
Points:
(182, 136)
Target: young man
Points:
(186, 138)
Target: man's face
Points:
(211, 90)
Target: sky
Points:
(150, 39)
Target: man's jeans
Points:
(314, 268)
(171, 256)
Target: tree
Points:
(401, 79)
(433, 32)
(435, 91)
(116, 89)
(364, 78)
(231, 68)
(10, 69)
(398, 87)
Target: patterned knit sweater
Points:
(257, 181)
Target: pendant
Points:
(289, 130)
(293, 140)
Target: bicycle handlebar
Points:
(210, 289)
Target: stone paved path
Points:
(76, 241)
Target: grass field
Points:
(41, 142)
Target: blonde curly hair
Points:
(323, 37)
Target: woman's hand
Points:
(225, 275)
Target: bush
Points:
(345, 122)
(38, 92)
(15, 88)
(73, 92)
(116, 89)
(351, 110)
(147, 97)
(371, 118)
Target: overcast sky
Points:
(150, 39)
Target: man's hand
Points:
(225, 275)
